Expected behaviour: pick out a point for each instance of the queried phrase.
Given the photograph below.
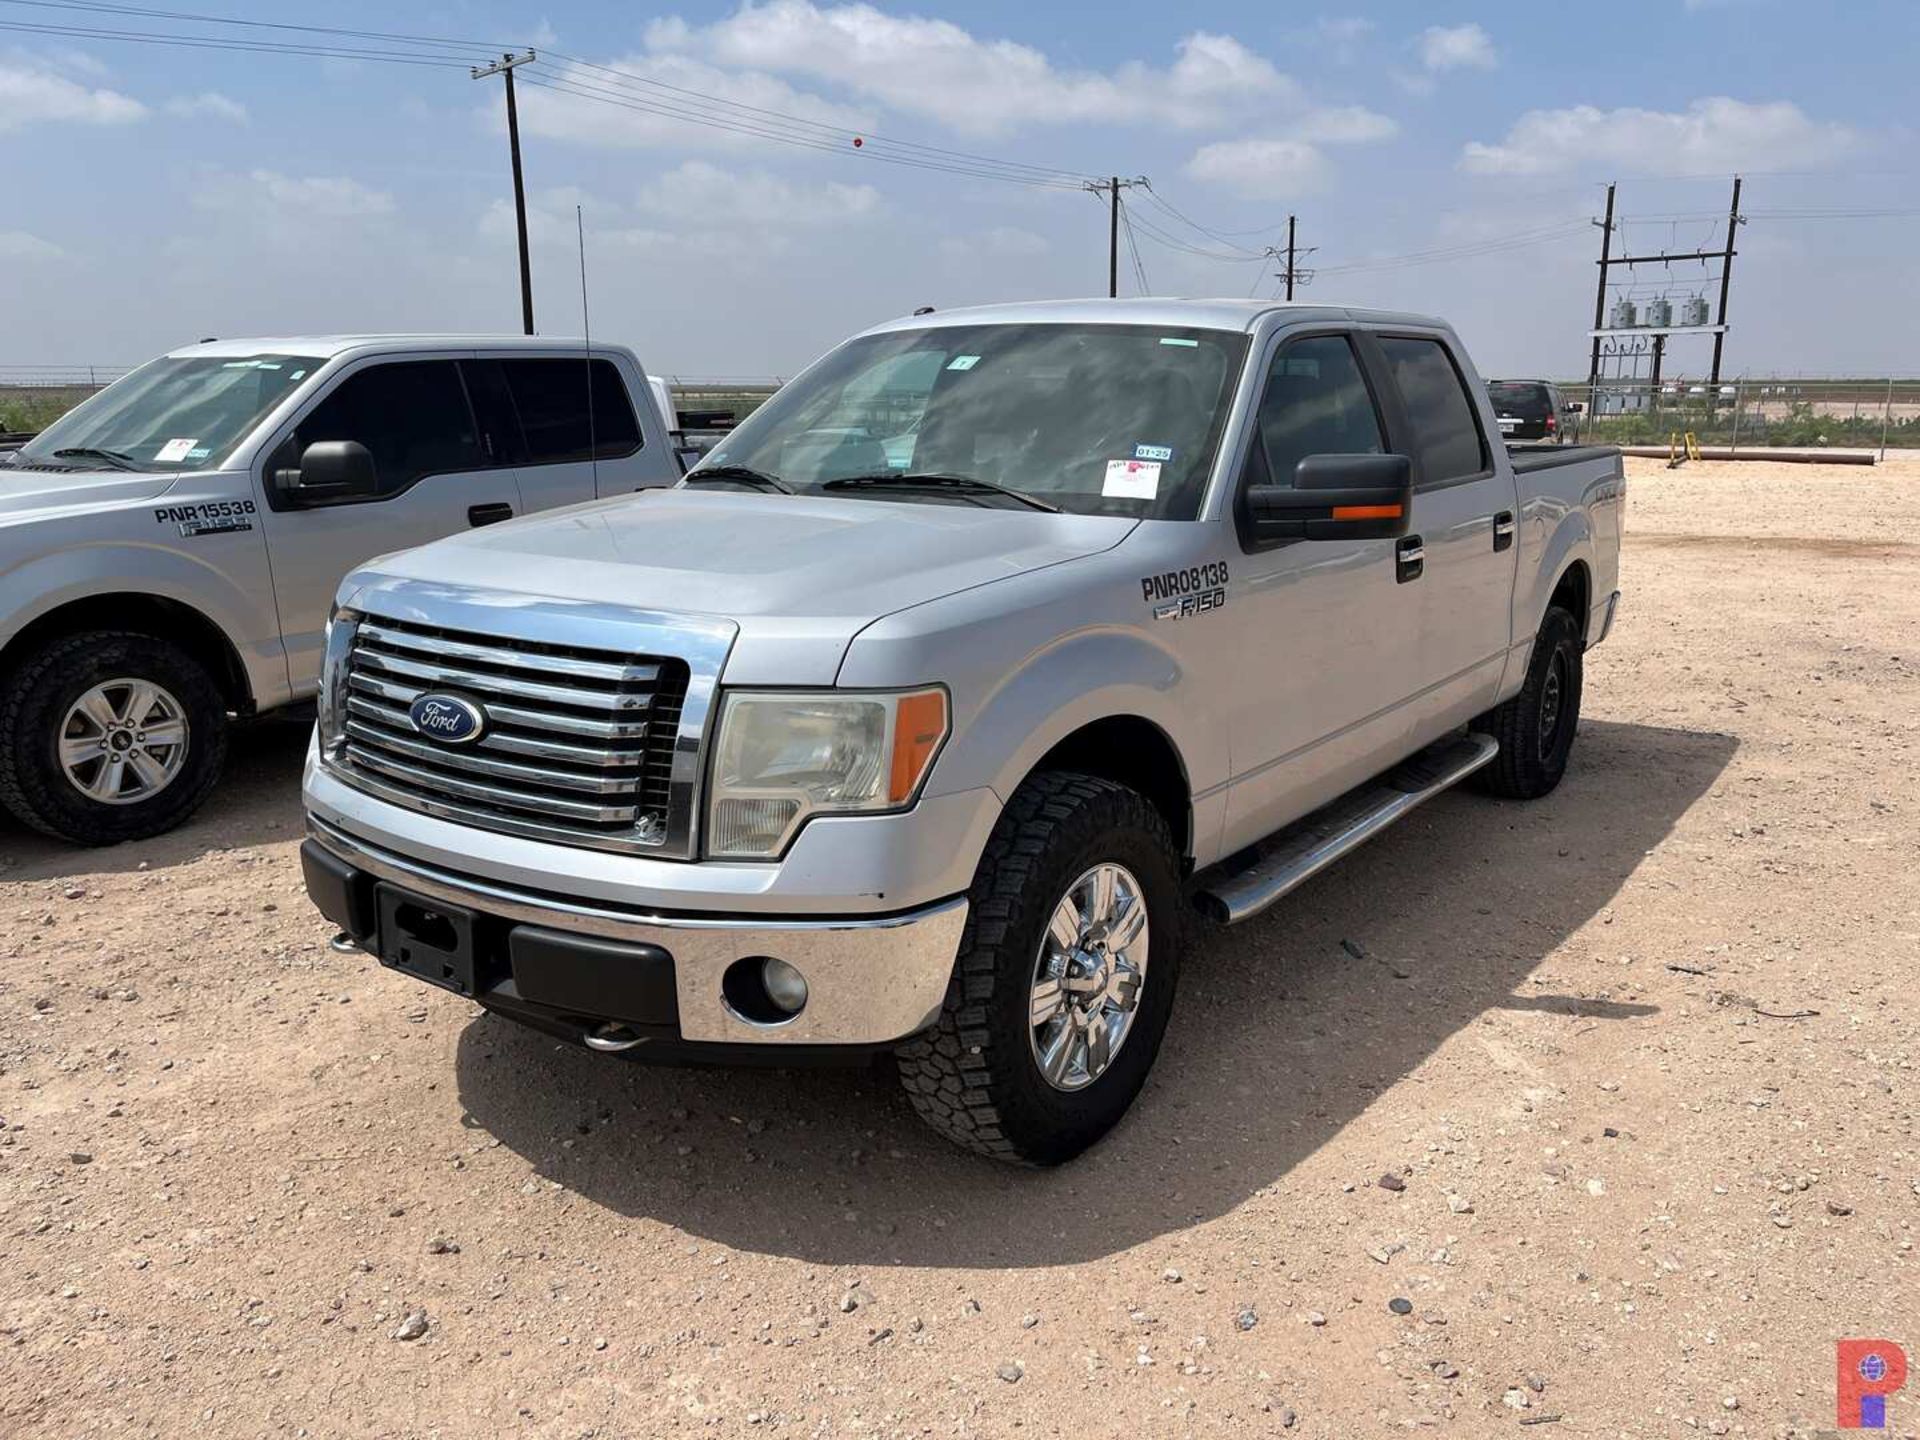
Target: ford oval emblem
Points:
(448, 719)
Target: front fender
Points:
(54, 578)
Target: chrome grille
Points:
(578, 745)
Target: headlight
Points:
(332, 702)
(783, 756)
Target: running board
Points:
(1290, 857)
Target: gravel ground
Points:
(1595, 1112)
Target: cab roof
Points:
(1197, 314)
(328, 347)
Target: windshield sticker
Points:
(199, 452)
(1132, 479)
(963, 362)
(1176, 340)
(174, 451)
(1153, 452)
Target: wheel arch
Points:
(1130, 750)
(141, 613)
(1573, 592)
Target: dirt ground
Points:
(1638, 1059)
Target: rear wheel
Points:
(1065, 978)
(1536, 727)
(108, 736)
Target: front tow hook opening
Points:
(611, 1038)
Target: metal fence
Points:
(1754, 414)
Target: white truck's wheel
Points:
(108, 736)
(1054, 1015)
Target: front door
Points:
(435, 478)
(1320, 629)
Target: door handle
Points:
(1409, 559)
(1503, 530)
(489, 514)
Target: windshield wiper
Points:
(738, 475)
(917, 480)
(88, 452)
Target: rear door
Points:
(569, 452)
(1459, 555)
(436, 476)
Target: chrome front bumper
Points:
(871, 979)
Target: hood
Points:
(800, 574)
(24, 492)
(740, 555)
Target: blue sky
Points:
(153, 195)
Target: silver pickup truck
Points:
(168, 550)
(923, 713)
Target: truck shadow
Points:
(256, 803)
(1281, 1037)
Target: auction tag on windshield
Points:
(174, 451)
(963, 362)
(1153, 452)
(1132, 479)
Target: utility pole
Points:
(505, 66)
(1293, 274)
(1600, 299)
(1726, 280)
(1112, 189)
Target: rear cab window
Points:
(1446, 441)
(550, 399)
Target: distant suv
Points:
(1533, 410)
(168, 550)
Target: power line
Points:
(1139, 270)
(228, 43)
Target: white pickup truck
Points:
(169, 548)
(923, 712)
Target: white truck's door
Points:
(567, 453)
(435, 477)
(1464, 511)
(1318, 630)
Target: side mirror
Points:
(331, 472)
(1574, 407)
(1337, 497)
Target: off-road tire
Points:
(973, 1076)
(35, 696)
(1526, 768)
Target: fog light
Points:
(785, 986)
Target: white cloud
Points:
(1456, 47)
(702, 195)
(1346, 125)
(1710, 135)
(33, 95)
(19, 245)
(610, 112)
(314, 197)
(1008, 241)
(1282, 167)
(1261, 169)
(210, 105)
(937, 69)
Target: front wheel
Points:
(1065, 978)
(1536, 727)
(108, 736)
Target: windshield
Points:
(1527, 401)
(171, 414)
(1092, 419)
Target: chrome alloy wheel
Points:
(123, 741)
(1088, 977)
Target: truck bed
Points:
(1529, 458)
